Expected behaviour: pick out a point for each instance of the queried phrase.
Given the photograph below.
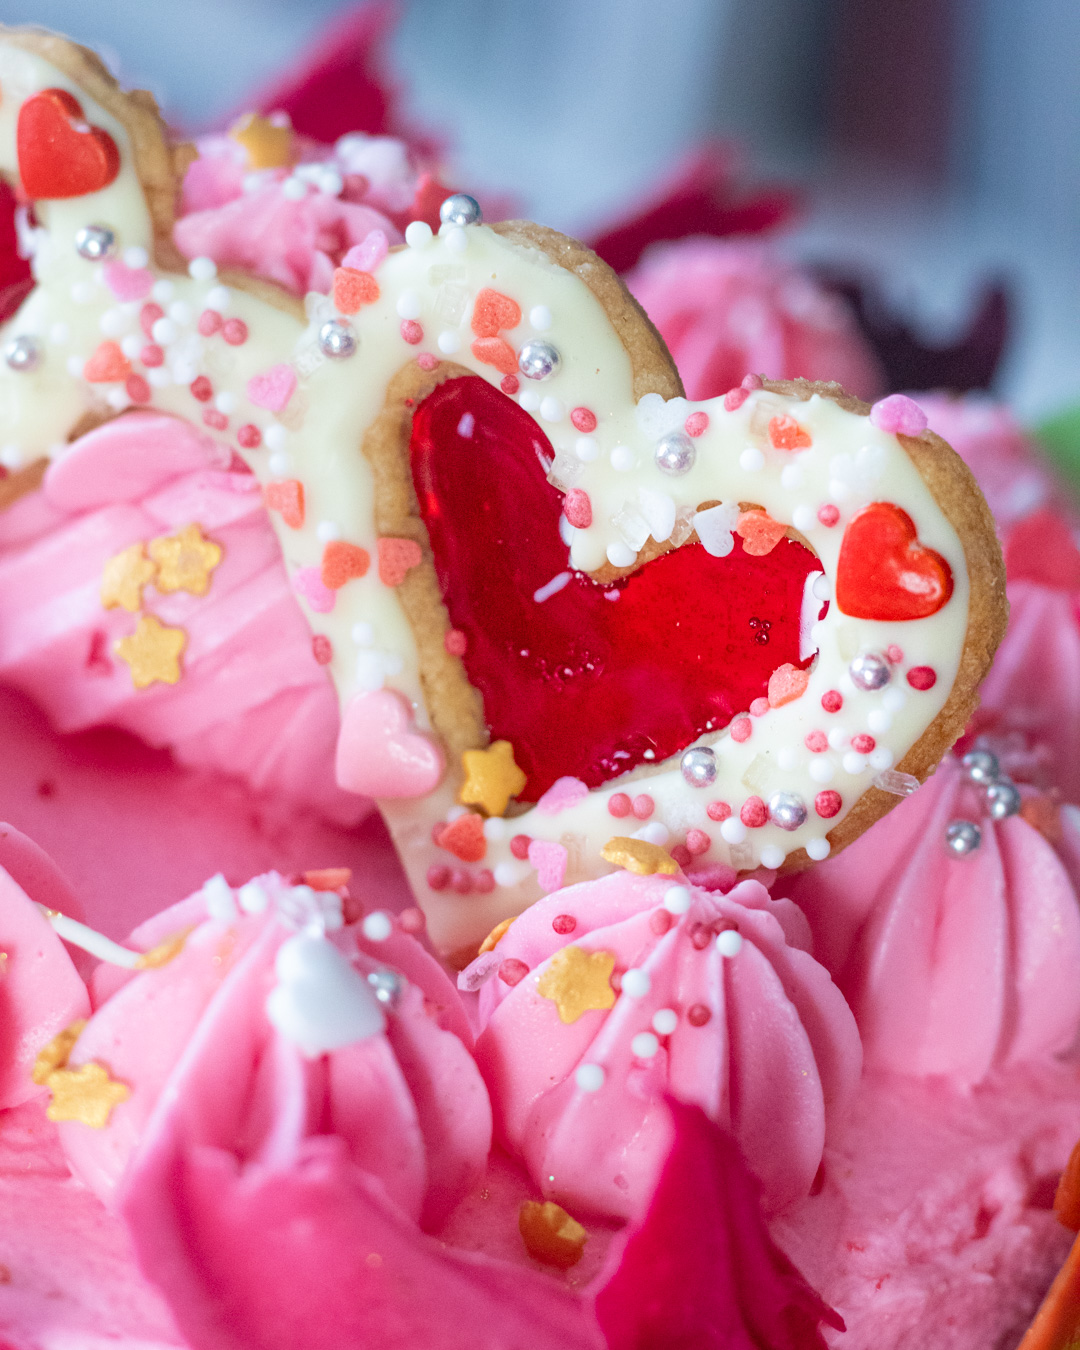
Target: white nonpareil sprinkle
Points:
(771, 856)
(377, 926)
(665, 1020)
(636, 983)
(253, 898)
(677, 899)
(729, 942)
(202, 269)
(644, 1045)
(418, 234)
(818, 849)
(219, 899)
(589, 1077)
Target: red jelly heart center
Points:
(583, 679)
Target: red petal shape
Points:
(646, 664)
(701, 1271)
(884, 573)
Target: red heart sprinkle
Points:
(107, 364)
(492, 312)
(59, 154)
(287, 498)
(464, 837)
(495, 351)
(341, 562)
(884, 573)
(396, 557)
(759, 532)
(786, 434)
(353, 290)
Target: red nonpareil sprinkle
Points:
(148, 316)
(342, 562)
(696, 424)
(497, 352)
(235, 332)
(202, 389)
(438, 877)
(353, 289)
(512, 971)
(322, 649)
(816, 742)
(396, 558)
(862, 743)
(618, 805)
(412, 920)
(287, 499)
(828, 514)
(519, 846)
(493, 312)
(754, 813)
(698, 1014)
(427, 361)
(455, 642)
(249, 437)
(464, 837)
(152, 356)
(215, 419)
(827, 803)
(577, 508)
(210, 322)
(564, 923)
(786, 434)
(461, 881)
(485, 881)
(759, 707)
(510, 384)
(735, 398)
(643, 806)
(741, 729)
(718, 811)
(137, 389)
(584, 419)
(894, 653)
(681, 854)
(922, 677)
(698, 842)
(412, 332)
(660, 920)
(832, 700)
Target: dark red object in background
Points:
(591, 679)
(15, 280)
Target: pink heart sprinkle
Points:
(272, 388)
(898, 414)
(128, 283)
(366, 256)
(562, 794)
(550, 862)
(308, 583)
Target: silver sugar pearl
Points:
(962, 837)
(386, 985)
(1003, 799)
(981, 766)
(699, 766)
(461, 209)
(23, 353)
(537, 360)
(338, 339)
(870, 671)
(676, 454)
(787, 810)
(94, 242)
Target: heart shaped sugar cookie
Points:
(570, 616)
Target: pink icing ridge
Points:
(952, 966)
(409, 1103)
(778, 1058)
(252, 700)
(727, 308)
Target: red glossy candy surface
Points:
(59, 154)
(590, 680)
(884, 573)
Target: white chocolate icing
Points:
(316, 439)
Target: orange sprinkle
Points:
(1057, 1323)
(107, 365)
(341, 562)
(550, 1234)
(786, 434)
(492, 312)
(354, 289)
(1067, 1199)
(492, 940)
(396, 557)
(497, 352)
(464, 837)
(287, 498)
(786, 684)
(760, 533)
(327, 878)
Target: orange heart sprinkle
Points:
(492, 312)
(341, 562)
(497, 352)
(287, 498)
(107, 364)
(464, 838)
(786, 684)
(786, 434)
(760, 533)
(353, 289)
(396, 557)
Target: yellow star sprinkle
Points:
(550, 1234)
(185, 560)
(86, 1093)
(152, 652)
(495, 936)
(267, 146)
(164, 952)
(55, 1055)
(123, 578)
(491, 778)
(637, 855)
(578, 982)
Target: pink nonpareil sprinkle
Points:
(898, 414)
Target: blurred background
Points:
(920, 155)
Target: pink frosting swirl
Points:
(731, 309)
(294, 226)
(407, 1100)
(953, 966)
(762, 1040)
(252, 700)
